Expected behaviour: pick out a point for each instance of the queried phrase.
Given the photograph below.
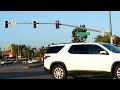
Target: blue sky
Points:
(47, 34)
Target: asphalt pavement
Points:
(33, 71)
(21, 66)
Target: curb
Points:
(36, 66)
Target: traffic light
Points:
(34, 24)
(57, 24)
(83, 30)
(6, 24)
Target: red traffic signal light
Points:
(57, 24)
(6, 24)
(34, 24)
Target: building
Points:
(7, 51)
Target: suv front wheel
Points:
(117, 72)
(59, 72)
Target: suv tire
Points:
(59, 72)
(117, 72)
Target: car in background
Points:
(35, 61)
(29, 61)
(6, 61)
(24, 61)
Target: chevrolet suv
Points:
(73, 59)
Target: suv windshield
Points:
(112, 48)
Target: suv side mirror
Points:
(103, 52)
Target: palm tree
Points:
(100, 38)
(15, 51)
(20, 48)
(33, 52)
(0, 52)
(27, 50)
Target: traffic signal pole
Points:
(111, 38)
(94, 30)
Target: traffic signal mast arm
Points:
(95, 30)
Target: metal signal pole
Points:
(13, 23)
(111, 40)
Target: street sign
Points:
(82, 33)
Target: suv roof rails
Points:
(70, 43)
(63, 43)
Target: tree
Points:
(117, 41)
(25, 51)
(100, 38)
(106, 38)
(20, 49)
(15, 51)
(28, 51)
(33, 52)
(0, 52)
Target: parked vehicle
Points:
(74, 59)
(24, 61)
(35, 61)
(29, 61)
(6, 61)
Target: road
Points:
(25, 72)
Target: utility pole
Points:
(111, 40)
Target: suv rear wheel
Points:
(59, 72)
(117, 72)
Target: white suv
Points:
(81, 59)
